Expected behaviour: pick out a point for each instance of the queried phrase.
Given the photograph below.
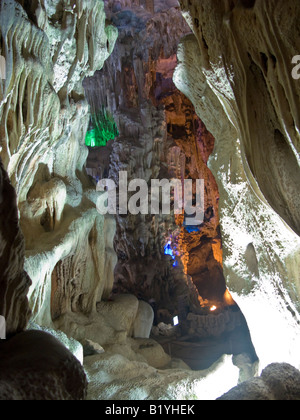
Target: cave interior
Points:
(101, 99)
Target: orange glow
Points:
(228, 299)
(203, 303)
(218, 252)
(213, 308)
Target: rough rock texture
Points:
(35, 366)
(160, 137)
(115, 321)
(240, 87)
(49, 47)
(71, 344)
(126, 87)
(69, 249)
(278, 382)
(14, 281)
(203, 326)
(115, 377)
(236, 69)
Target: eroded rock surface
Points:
(240, 81)
(48, 48)
(278, 382)
(44, 117)
(160, 137)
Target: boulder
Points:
(278, 382)
(120, 313)
(36, 366)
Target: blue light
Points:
(169, 251)
(192, 229)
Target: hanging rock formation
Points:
(49, 48)
(240, 84)
(236, 69)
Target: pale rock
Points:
(120, 313)
(153, 353)
(114, 377)
(164, 330)
(14, 281)
(44, 118)
(144, 321)
(90, 348)
(72, 345)
(248, 369)
(112, 324)
(178, 364)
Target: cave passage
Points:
(159, 136)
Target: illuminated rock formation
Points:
(94, 277)
(160, 137)
(132, 84)
(44, 119)
(236, 69)
(48, 48)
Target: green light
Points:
(103, 129)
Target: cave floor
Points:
(201, 354)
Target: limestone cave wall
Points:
(224, 107)
(236, 68)
(49, 47)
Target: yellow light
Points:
(213, 308)
(228, 299)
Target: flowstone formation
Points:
(102, 129)
(236, 69)
(14, 282)
(44, 118)
(46, 49)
